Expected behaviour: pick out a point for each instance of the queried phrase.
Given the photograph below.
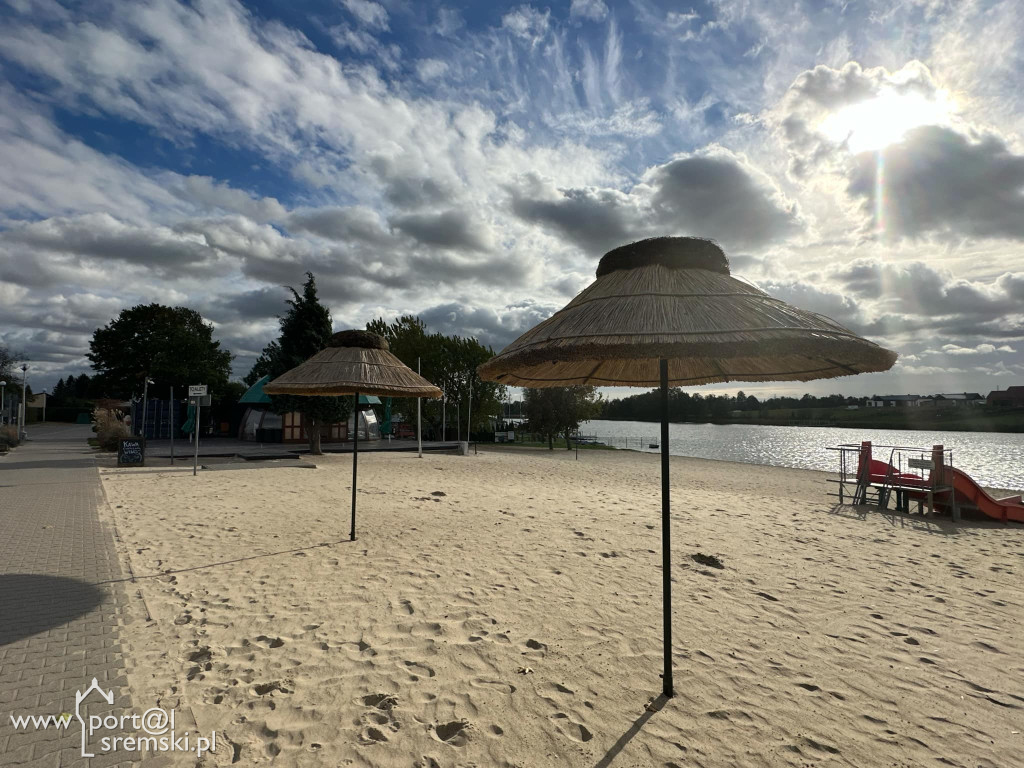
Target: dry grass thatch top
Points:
(355, 361)
(673, 298)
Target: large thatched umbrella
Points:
(354, 363)
(666, 312)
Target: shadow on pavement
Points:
(31, 603)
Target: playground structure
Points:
(937, 483)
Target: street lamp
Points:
(24, 404)
(45, 395)
(145, 403)
(3, 393)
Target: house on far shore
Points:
(1012, 397)
(957, 399)
(894, 401)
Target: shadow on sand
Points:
(634, 729)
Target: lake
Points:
(994, 459)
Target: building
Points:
(958, 399)
(894, 401)
(261, 424)
(1011, 397)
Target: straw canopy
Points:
(674, 298)
(354, 361)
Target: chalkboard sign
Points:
(131, 452)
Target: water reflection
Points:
(994, 459)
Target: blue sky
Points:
(470, 163)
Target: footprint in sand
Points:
(416, 669)
(453, 733)
(569, 727)
(536, 645)
(372, 735)
(270, 642)
(496, 685)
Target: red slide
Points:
(969, 492)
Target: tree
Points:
(171, 345)
(265, 364)
(8, 360)
(305, 330)
(449, 362)
(555, 411)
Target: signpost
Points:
(197, 392)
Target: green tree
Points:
(305, 330)
(171, 345)
(554, 411)
(265, 364)
(7, 363)
(448, 362)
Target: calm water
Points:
(995, 459)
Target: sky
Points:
(470, 163)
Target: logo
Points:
(152, 731)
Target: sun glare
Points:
(884, 120)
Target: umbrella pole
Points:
(355, 462)
(666, 547)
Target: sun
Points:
(885, 119)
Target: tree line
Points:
(684, 406)
(174, 347)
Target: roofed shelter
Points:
(667, 312)
(353, 363)
(260, 422)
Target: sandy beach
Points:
(504, 609)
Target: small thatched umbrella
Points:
(354, 363)
(666, 312)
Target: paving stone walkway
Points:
(60, 598)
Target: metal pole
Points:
(355, 464)
(3, 400)
(419, 418)
(145, 405)
(443, 399)
(195, 433)
(172, 426)
(666, 546)
(24, 403)
(44, 406)
(469, 413)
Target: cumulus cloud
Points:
(495, 327)
(354, 223)
(101, 236)
(939, 181)
(718, 192)
(714, 193)
(448, 229)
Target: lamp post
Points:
(23, 409)
(3, 399)
(44, 406)
(145, 403)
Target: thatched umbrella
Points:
(666, 312)
(354, 363)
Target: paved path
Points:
(59, 597)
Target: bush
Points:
(109, 426)
(8, 437)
